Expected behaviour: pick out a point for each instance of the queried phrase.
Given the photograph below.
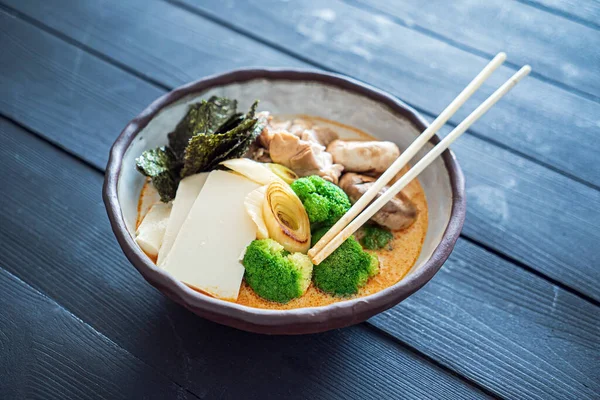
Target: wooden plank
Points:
(71, 98)
(473, 316)
(533, 119)
(555, 47)
(500, 325)
(54, 203)
(214, 48)
(540, 218)
(47, 353)
(583, 11)
(513, 203)
(187, 47)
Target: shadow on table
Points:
(215, 360)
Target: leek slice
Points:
(254, 207)
(285, 217)
(284, 173)
(252, 170)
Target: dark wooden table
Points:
(514, 313)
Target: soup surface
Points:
(394, 263)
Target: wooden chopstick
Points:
(341, 236)
(409, 153)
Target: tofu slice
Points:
(186, 195)
(205, 254)
(150, 233)
(149, 197)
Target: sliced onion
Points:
(284, 173)
(252, 170)
(286, 218)
(254, 207)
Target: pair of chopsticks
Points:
(349, 223)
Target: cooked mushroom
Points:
(303, 157)
(399, 213)
(369, 157)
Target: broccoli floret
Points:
(374, 237)
(324, 202)
(346, 270)
(275, 274)
(373, 268)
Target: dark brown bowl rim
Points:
(277, 321)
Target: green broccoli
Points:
(275, 274)
(325, 203)
(346, 270)
(374, 237)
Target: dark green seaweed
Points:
(204, 117)
(161, 166)
(231, 123)
(212, 131)
(205, 151)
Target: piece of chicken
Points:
(398, 213)
(368, 157)
(304, 129)
(319, 134)
(304, 157)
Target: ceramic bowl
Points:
(284, 91)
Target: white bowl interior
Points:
(297, 97)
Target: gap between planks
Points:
(416, 351)
(488, 56)
(514, 151)
(76, 318)
(532, 271)
(560, 13)
(82, 46)
(54, 144)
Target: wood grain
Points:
(47, 353)
(160, 41)
(503, 326)
(555, 47)
(533, 119)
(540, 218)
(583, 11)
(55, 203)
(199, 49)
(41, 85)
(512, 203)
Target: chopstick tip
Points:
(522, 73)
